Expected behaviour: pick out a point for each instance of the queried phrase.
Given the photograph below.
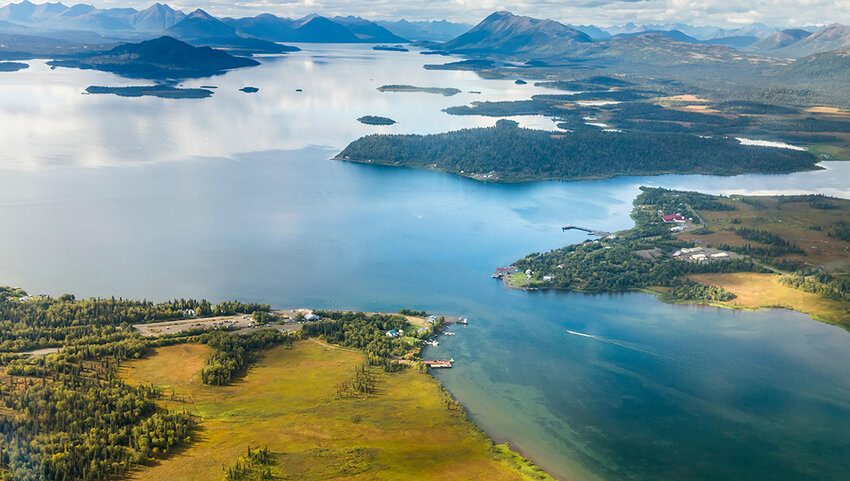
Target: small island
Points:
(161, 91)
(741, 252)
(507, 153)
(390, 48)
(448, 92)
(376, 120)
(249, 90)
(12, 66)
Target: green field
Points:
(409, 429)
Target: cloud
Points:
(599, 12)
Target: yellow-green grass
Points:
(518, 279)
(790, 220)
(288, 402)
(757, 290)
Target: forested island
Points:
(164, 57)
(508, 153)
(86, 396)
(376, 120)
(161, 91)
(448, 92)
(390, 48)
(740, 252)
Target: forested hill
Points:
(508, 153)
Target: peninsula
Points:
(118, 384)
(507, 153)
(742, 252)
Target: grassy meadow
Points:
(756, 290)
(804, 223)
(288, 402)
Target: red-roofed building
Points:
(673, 218)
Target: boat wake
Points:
(614, 342)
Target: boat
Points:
(449, 333)
(462, 320)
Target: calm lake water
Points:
(234, 197)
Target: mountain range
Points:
(526, 38)
(501, 33)
(159, 18)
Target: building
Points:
(678, 228)
(673, 218)
(393, 333)
(312, 317)
(548, 278)
(503, 272)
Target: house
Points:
(312, 317)
(393, 333)
(678, 228)
(548, 278)
(719, 255)
(673, 218)
(503, 272)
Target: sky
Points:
(722, 13)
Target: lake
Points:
(235, 197)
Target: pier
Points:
(585, 229)
(444, 363)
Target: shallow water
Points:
(234, 197)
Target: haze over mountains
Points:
(501, 33)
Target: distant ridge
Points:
(778, 40)
(157, 18)
(831, 37)
(833, 64)
(506, 33)
(313, 29)
(200, 25)
(435, 30)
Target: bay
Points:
(235, 197)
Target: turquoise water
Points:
(645, 390)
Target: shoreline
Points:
(506, 282)
(482, 178)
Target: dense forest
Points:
(68, 415)
(509, 153)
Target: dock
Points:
(585, 229)
(442, 363)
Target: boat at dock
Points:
(449, 333)
(463, 321)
